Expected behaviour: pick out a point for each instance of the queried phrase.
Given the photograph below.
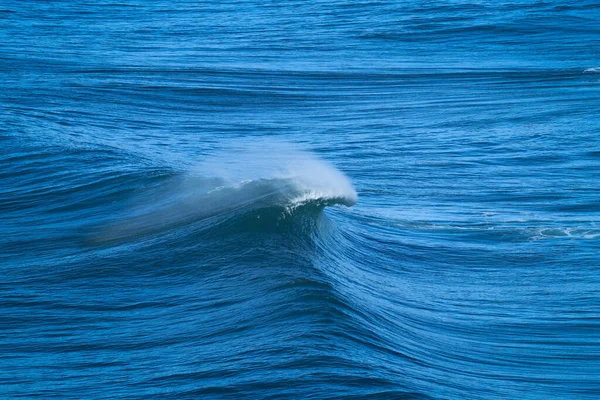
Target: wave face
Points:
(179, 215)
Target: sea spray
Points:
(247, 161)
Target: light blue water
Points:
(178, 184)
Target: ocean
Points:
(311, 200)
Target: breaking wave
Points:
(247, 181)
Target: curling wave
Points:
(272, 186)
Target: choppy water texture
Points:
(178, 184)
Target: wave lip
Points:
(327, 185)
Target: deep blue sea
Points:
(303, 200)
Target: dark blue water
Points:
(178, 184)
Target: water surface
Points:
(178, 184)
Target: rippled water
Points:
(177, 192)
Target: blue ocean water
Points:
(384, 199)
